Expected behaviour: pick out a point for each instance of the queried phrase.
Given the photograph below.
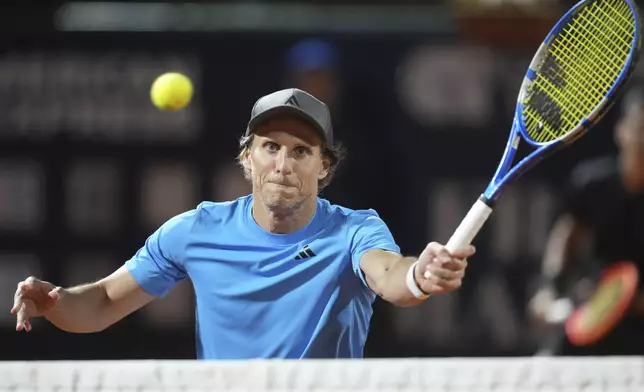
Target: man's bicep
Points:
(375, 263)
(153, 273)
(124, 294)
(372, 235)
(158, 265)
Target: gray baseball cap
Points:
(295, 102)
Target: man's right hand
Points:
(34, 298)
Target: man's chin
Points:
(282, 201)
(279, 201)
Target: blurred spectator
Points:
(313, 66)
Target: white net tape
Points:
(615, 374)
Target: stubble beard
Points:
(281, 206)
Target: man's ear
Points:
(245, 159)
(325, 168)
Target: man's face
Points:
(286, 163)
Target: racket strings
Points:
(602, 301)
(593, 82)
(558, 52)
(579, 68)
(588, 56)
(608, 43)
(577, 33)
(598, 78)
(611, 44)
(620, 11)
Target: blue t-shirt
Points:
(265, 295)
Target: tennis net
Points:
(565, 374)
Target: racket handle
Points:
(470, 226)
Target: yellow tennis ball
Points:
(171, 91)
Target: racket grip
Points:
(470, 226)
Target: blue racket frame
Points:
(504, 175)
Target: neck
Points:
(283, 220)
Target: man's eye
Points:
(301, 151)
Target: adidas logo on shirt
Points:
(305, 253)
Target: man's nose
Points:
(284, 163)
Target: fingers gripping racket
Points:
(573, 79)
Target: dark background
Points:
(89, 168)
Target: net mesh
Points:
(579, 67)
(561, 374)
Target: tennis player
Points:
(280, 273)
(602, 223)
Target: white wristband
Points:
(412, 285)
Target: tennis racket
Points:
(573, 79)
(615, 291)
(585, 318)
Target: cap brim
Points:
(285, 110)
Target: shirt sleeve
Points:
(158, 266)
(371, 233)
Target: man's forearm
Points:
(396, 280)
(81, 309)
(395, 289)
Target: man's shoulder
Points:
(352, 217)
(594, 172)
(219, 209)
(208, 212)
